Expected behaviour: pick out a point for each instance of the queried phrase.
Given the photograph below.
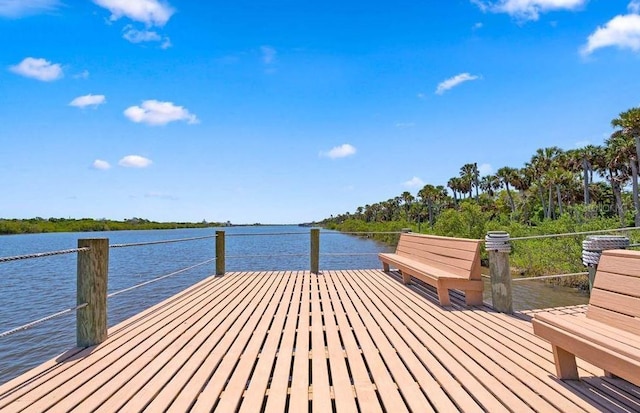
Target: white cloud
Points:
(414, 182)
(82, 75)
(454, 81)
(101, 165)
(36, 68)
(634, 7)
(527, 9)
(88, 100)
(15, 9)
(477, 26)
(622, 31)
(154, 112)
(135, 161)
(139, 36)
(150, 12)
(341, 151)
(485, 169)
(268, 54)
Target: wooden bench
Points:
(609, 335)
(443, 262)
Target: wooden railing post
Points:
(315, 250)
(92, 277)
(498, 246)
(220, 252)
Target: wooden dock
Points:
(344, 341)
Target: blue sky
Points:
(291, 111)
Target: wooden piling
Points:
(315, 250)
(498, 246)
(92, 278)
(220, 253)
(500, 271)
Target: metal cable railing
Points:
(42, 320)
(76, 250)
(546, 277)
(571, 234)
(41, 254)
(113, 294)
(169, 241)
(142, 284)
(266, 234)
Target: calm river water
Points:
(35, 288)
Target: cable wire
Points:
(113, 294)
(42, 320)
(42, 254)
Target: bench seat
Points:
(445, 263)
(608, 336)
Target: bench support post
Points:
(498, 246)
(566, 368)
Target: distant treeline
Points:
(40, 225)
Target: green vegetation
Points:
(555, 192)
(39, 225)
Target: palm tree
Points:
(490, 184)
(429, 194)
(407, 200)
(629, 124)
(469, 176)
(455, 184)
(508, 176)
(541, 164)
(615, 169)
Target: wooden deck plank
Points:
(257, 389)
(445, 381)
(134, 379)
(232, 395)
(342, 387)
(279, 387)
(320, 388)
(531, 358)
(180, 367)
(534, 342)
(493, 377)
(186, 383)
(377, 363)
(446, 355)
(355, 340)
(112, 356)
(299, 398)
(366, 392)
(379, 311)
(29, 387)
(215, 384)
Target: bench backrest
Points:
(615, 297)
(459, 256)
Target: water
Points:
(31, 289)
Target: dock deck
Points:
(343, 341)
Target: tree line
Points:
(591, 181)
(41, 225)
